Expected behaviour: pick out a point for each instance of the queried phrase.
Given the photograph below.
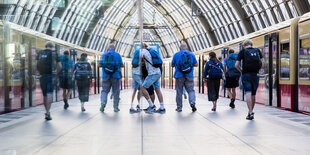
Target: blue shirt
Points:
(66, 62)
(118, 62)
(175, 60)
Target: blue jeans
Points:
(152, 80)
(188, 84)
(47, 83)
(250, 83)
(107, 84)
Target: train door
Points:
(304, 76)
(271, 69)
(28, 71)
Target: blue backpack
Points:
(108, 64)
(232, 71)
(215, 71)
(136, 59)
(184, 65)
(82, 71)
(156, 59)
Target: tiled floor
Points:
(226, 131)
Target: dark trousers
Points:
(83, 89)
(213, 86)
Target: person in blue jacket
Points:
(213, 73)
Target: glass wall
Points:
(285, 61)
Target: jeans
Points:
(188, 83)
(107, 84)
(137, 81)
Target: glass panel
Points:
(285, 61)
(304, 60)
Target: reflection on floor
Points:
(226, 131)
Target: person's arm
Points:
(237, 65)
(205, 72)
(173, 61)
(59, 66)
(122, 64)
(195, 61)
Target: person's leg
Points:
(229, 93)
(189, 86)
(152, 98)
(253, 101)
(116, 93)
(143, 89)
(179, 84)
(49, 95)
(106, 86)
(133, 97)
(233, 92)
(248, 98)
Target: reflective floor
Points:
(226, 131)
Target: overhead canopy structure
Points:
(200, 23)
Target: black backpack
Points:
(46, 61)
(252, 62)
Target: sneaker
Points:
(193, 107)
(213, 109)
(232, 103)
(102, 107)
(132, 110)
(151, 109)
(138, 108)
(185, 96)
(159, 110)
(178, 109)
(250, 116)
(116, 110)
(66, 105)
(83, 109)
(48, 117)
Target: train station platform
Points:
(226, 131)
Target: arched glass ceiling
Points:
(168, 22)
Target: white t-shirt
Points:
(150, 69)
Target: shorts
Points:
(250, 82)
(66, 82)
(137, 81)
(152, 80)
(232, 82)
(47, 83)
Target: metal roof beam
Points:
(204, 22)
(302, 6)
(242, 15)
(165, 13)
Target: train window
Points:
(285, 61)
(304, 59)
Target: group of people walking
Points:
(50, 66)
(146, 74)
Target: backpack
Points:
(46, 61)
(232, 71)
(109, 66)
(185, 66)
(252, 62)
(215, 71)
(82, 71)
(136, 59)
(156, 59)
